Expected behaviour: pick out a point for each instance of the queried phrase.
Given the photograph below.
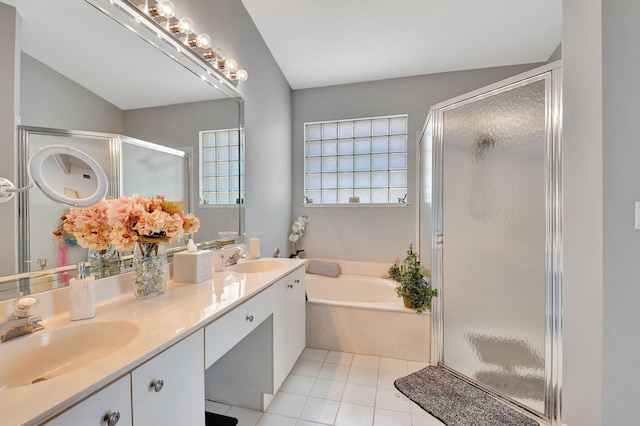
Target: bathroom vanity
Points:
(150, 362)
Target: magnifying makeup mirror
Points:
(64, 174)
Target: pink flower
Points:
(127, 220)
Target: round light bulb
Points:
(232, 65)
(203, 41)
(242, 75)
(166, 9)
(186, 25)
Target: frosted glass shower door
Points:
(494, 156)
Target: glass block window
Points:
(221, 167)
(356, 161)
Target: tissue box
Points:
(193, 267)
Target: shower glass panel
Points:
(494, 212)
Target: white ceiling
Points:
(328, 42)
(315, 42)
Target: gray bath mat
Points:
(455, 402)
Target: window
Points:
(221, 167)
(356, 161)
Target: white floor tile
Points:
(343, 358)
(390, 399)
(396, 365)
(359, 394)
(327, 389)
(363, 376)
(297, 383)
(245, 416)
(416, 366)
(215, 407)
(390, 418)
(300, 422)
(335, 372)
(386, 379)
(269, 419)
(320, 410)
(307, 367)
(366, 361)
(425, 421)
(287, 404)
(338, 388)
(354, 415)
(314, 354)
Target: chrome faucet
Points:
(20, 322)
(235, 256)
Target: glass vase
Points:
(149, 270)
(104, 263)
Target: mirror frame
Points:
(35, 172)
(128, 16)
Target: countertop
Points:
(163, 321)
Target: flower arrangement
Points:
(414, 288)
(124, 221)
(298, 228)
(147, 220)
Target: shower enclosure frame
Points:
(551, 74)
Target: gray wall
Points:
(374, 233)
(49, 99)
(9, 108)
(582, 367)
(267, 98)
(621, 263)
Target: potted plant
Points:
(414, 288)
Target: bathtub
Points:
(360, 312)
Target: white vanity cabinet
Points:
(288, 324)
(169, 389)
(242, 354)
(250, 351)
(108, 407)
(225, 332)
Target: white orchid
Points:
(298, 229)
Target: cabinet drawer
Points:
(226, 331)
(114, 400)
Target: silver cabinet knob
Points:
(111, 418)
(156, 385)
(250, 318)
(296, 281)
(290, 285)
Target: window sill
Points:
(349, 205)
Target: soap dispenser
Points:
(82, 299)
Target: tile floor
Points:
(338, 388)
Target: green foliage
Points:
(408, 273)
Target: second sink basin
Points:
(256, 266)
(48, 354)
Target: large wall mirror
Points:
(89, 69)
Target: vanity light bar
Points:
(130, 16)
(183, 29)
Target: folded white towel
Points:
(324, 268)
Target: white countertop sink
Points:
(256, 266)
(44, 355)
